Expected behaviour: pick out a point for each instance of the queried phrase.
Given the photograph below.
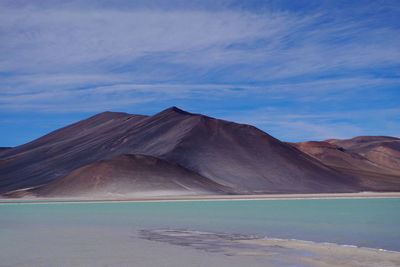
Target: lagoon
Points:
(75, 227)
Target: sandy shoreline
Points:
(329, 254)
(208, 197)
(281, 251)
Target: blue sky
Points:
(299, 70)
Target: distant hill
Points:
(381, 150)
(175, 152)
(374, 160)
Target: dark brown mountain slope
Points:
(127, 175)
(249, 160)
(234, 155)
(59, 152)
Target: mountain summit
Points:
(171, 151)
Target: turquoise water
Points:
(29, 200)
(373, 223)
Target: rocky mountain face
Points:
(177, 152)
(383, 151)
(374, 160)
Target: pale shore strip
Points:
(328, 254)
(204, 198)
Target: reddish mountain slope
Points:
(381, 150)
(359, 158)
(334, 155)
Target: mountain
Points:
(374, 160)
(381, 150)
(136, 175)
(205, 155)
(336, 156)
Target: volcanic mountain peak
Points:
(218, 154)
(178, 110)
(114, 114)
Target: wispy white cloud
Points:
(99, 98)
(278, 44)
(57, 93)
(59, 39)
(77, 56)
(308, 125)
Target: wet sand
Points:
(327, 254)
(101, 246)
(98, 246)
(203, 197)
(278, 252)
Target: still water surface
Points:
(373, 223)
